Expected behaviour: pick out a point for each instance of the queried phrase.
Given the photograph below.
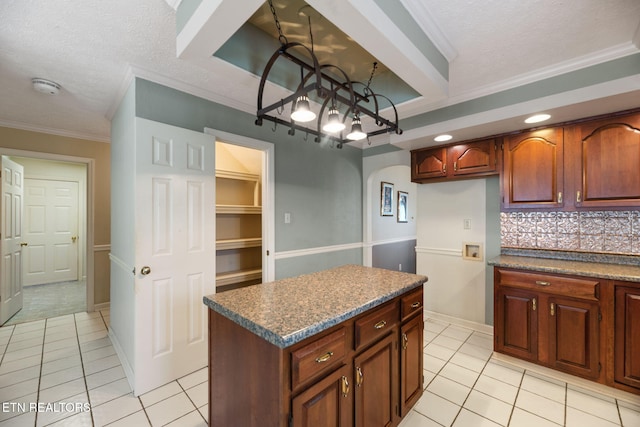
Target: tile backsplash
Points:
(616, 232)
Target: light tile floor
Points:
(68, 362)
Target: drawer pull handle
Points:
(381, 324)
(415, 304)
(535, 304)
(360, 377)
(324, 357)
(553, 309)
(345, 386)
(543, 283)
(405, 341)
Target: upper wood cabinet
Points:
(475, 158)
(606, 162)
(533, 170)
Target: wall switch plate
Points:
(287, 217)
(466, 224)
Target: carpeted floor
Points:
(51, 300)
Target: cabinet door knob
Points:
(559, 196)
(405, 341)
(553, 309)
(534, 304)
(578, 197)
(359, 376)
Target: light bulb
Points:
(333, 124)
(356, 130)
(302, 112)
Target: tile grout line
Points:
(84, 375)
(191, 400)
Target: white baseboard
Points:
(101, 306)
(480, 327)
(128, 371)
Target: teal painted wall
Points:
(321, 186)
(184, 12)
(289, 267)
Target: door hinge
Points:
(599, 317)
(267, 252)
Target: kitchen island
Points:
(337, 347)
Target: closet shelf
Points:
(232, 277)
(226, 244)
(238, 209)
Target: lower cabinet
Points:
(550, 320)
(411, 363)
(329, 402)
(583, 326)
(362, 372)
(627, 335)
(376, 379)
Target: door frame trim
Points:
(268, 194)
(90, 190)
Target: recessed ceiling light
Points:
(538, 118)
(442, 138)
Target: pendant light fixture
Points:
(328, 92)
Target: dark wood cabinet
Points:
(627, 335)
(326, 403)
(459, 161)
(365, 371)
(411, 363)
(516, 323)
(574, 336)
(376, 380)
(606, 157)
(552, 320)
(533, 174)
(428, 163)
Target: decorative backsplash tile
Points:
(616, 232)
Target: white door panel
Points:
(11, 239)
(175, 238)
(51, 230)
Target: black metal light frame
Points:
(329, 90)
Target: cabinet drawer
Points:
(318, 357)
(583, 288)
(376, 324)
(411, 304)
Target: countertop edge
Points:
(622, 272)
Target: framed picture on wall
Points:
(386, 199)
(402, 206)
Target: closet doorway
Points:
(244, 211)
(54, 239)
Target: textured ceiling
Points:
(93, 47)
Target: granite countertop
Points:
(590, 265)
(287, 311)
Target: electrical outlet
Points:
(399, 267)
(466, 224)
(287, 217)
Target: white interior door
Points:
(51, 231)
(175, 251)
(11, 239)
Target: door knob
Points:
(74, 238)
(145, 270)
(23, 244)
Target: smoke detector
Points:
(45, 86)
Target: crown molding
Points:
(430, 27)
(54, 131)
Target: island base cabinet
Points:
(411, 363)
(627, 336)
(327, 403)
(376, 372)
